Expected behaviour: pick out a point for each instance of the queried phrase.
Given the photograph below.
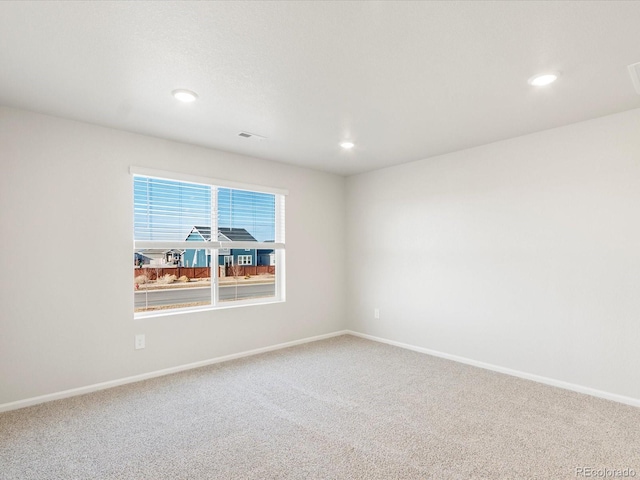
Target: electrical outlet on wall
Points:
(140, 341)
(376, 313)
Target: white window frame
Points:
(245, 260)
(214, 247)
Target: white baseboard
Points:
(516, 373)
(5, 407)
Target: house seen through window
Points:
(201, 245)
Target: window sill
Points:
(180, 311)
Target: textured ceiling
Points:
(403, 80)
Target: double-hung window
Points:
(202, 243)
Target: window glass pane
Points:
(246, 216)
(247, 281)
(161, 282)
(171, 210)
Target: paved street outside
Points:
(157, 296)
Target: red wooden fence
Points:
(153, 273)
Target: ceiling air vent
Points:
(253, 136)
(634, 71)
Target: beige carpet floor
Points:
(343, 408)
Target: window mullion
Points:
(215, 269)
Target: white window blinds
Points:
(172, 212)
(168, 210)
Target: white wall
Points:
(523, 254)
(66, 300)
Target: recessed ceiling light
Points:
(347, 145)
(543, 79)
(185, 95)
